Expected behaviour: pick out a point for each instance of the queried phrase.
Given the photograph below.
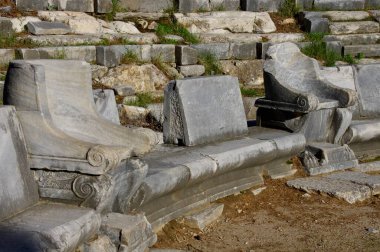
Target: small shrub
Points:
(211, 63)
(288, 8)
(176, 29)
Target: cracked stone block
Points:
(192, 70)
(337, 28)
(203, 217)
(340, 189)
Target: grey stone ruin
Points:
(77, 155)
(300, 99)
(224, 156)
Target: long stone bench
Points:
(81, 158)
(27, 224)
(218, 154)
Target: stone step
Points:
(339, 16)
(366, 50)
(339, 4)
(355, 39)
(338, 28)
(250, 37)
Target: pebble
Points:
(372, 230)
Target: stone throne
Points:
(77, 155)
(299, 99)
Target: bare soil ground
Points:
(282, 219)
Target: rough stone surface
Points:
(76, 5)
(192, 70)
(124, 90)
(98, 72)
(249, 72)
(85, 53)
(354, 27)
(258, 190)
(261, 5)
(341, 76)
(185, 55)
(156, 111)
(366, 78)
(219, 100)
(19, 24)
(47, 28)
(130, 232)
(346, 15)
(186, 6)
(124, 27)
(63, 40)
(228, 5)
(243, 51)
(40, 223)
(165, 53)
(103, 6)
(31, 5)
(5, 26)
(339, 4)
(105, 104)
(372, 181)
(233, 21)
(146, 5)
(203, 217)
(220, 50)
(142, 78)
(102, 243)
(6, 55)
(354, 39)
(18, 189)
(365, 50)
(133, 113)
(249, 107)
(346, 190)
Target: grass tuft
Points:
(252, 92)
(317, 50)
(130, 57)
(144, 99)
(211, 63)
(176, 29)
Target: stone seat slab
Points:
(48, 227)
(372, 181)
(171, 169)
(371, 50)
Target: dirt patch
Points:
(284, 27)
(283, 219)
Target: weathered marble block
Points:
(203, 110)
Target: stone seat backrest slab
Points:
(290, 75)
(62, 91)
(203, 110)
(367, 83)
(18, 189)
